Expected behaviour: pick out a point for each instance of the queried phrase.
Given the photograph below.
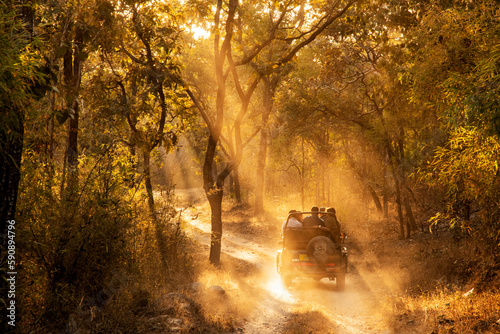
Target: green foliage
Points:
(454, 73)
(21, 75)
(474, 95)
(467, 167)
(73, 250)
(72, 247)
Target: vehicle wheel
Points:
(320, 249)
(340, 279)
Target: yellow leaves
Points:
(468, 165)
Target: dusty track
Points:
(358, 309)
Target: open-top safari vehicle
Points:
(311, 252)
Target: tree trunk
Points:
(385, 198)
(72, 80)
(399, 206)
(231, 184)
(214, 197)
(160, 237)
(375, 198)
(385, 194)
(412, 224)
(215, 200)
(146, 161)
(237, 187)
(303, 178)
(270, 85)
(72, 152)
(11, 150)
(261, 166)
(323, 182)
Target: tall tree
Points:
(139, 80)
(356, 93)
(22, 79)
(455, 72)
(230, 55)
(270, 82)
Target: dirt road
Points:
(357, 309)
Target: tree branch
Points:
(315, 34)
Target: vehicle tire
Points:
(320, 249)
(340, 280)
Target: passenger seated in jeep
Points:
(322, 213)
(313, 221)
(333, 225)
(292, 222)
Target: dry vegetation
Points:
(439, 283)
(446, 283)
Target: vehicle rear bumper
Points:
(309, 269)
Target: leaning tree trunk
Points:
(375, 197)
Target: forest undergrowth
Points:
(95, 260)
(450, 282)
(448, 285)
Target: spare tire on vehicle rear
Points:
(320, 250)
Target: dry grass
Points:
(431, 276)
(449, 311)
(451, 287)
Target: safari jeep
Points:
(310, 252)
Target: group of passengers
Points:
(320, 218)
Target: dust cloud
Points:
(254, 296)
